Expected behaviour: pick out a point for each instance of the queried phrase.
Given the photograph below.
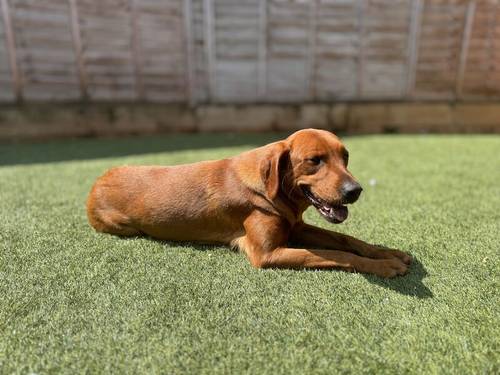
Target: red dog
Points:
(253, 201)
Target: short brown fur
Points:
(253, 201)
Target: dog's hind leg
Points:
(113, 222)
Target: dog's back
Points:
(165, 202)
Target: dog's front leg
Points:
(309, 235)
(265, 245)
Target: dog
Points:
(253, 202)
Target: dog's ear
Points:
(261, 169)
(272, 167)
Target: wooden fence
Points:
(249, 51)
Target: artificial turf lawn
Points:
(74, 301)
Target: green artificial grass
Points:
(75, 301)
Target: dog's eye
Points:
(345, 156)
(315, 160)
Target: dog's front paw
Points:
(405, 257)
(389, 268)
(393, 253)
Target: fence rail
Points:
(249, 51)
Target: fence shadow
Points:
(88, 149)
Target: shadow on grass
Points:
(410, 285)
(87, 149)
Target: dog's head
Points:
(310, 167)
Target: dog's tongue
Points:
(334, 214)
(340, 213)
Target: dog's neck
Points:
(290, 202)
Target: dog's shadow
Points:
(411, 284)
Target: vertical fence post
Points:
(311, 54)
(262, 53)
(11, 51)
(77, 45)
(189, 51)
(413, 45)
(469, 21)
(208, 16)
(361, 38)
(136, 49)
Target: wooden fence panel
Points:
(160, 50)
(106, 33)
(249, 51)
(439, 48)
(287, 50)
(384, 50)
(6, 84)
(235, 50)
(338, 49)
(199, 58)
(45, 54)
(482, 70)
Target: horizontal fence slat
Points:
(195, 51)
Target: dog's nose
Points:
(351, 191)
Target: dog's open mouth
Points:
(334, 213)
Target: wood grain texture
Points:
(250, 51)
(8, 76)
(482, 70)
(440, 44)
(45, 53)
